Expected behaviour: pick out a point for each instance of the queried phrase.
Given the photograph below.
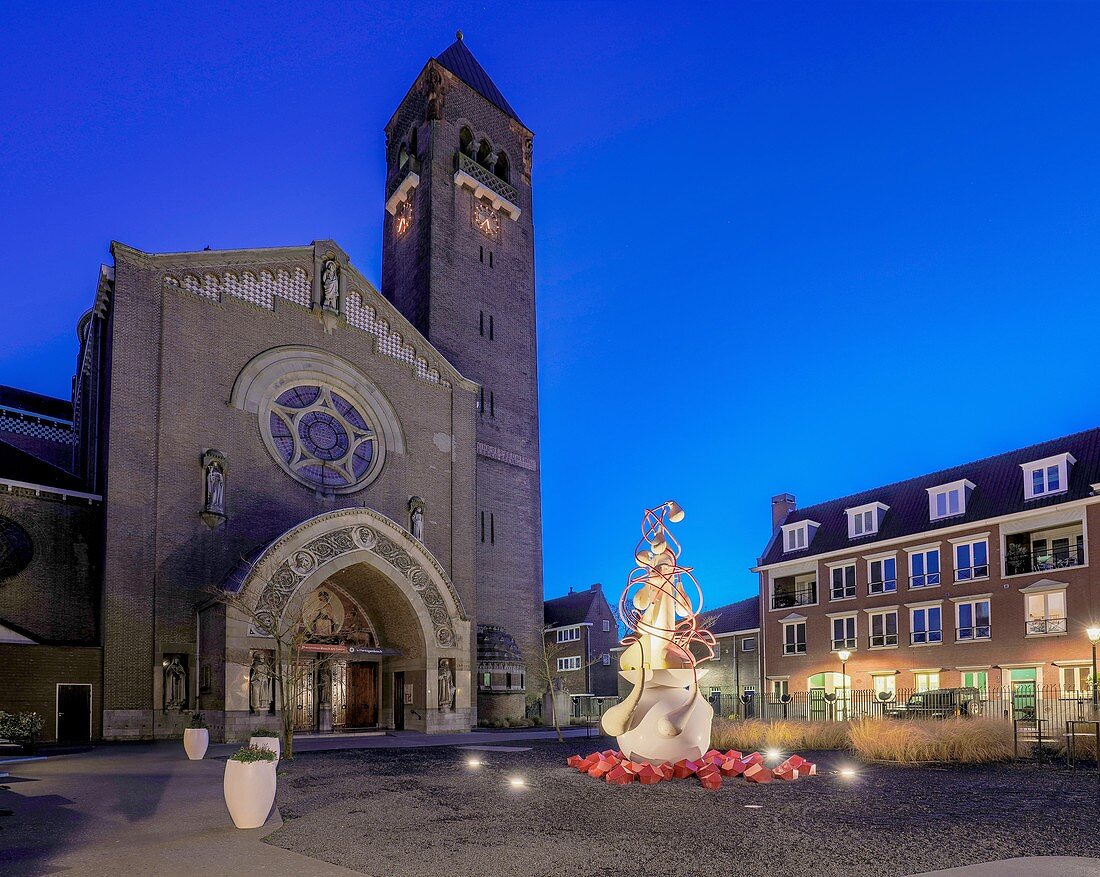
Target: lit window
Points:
(794, 638)
(568, 634)
(1048, 476)
(572, 663)
(798, 535)
(1046, 613)
(924, 568)
(926, 681)
(885, 686)
(780, 688)
(971, 560)
(884, 629)
(926, 625)
(949, 500)
(844, 633)
(843, 582)
(1076, 681)
(882, 575)
(978, 679)
(865, 520)
(748, 644)
(973, 620)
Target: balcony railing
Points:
(883, 587)
(797, 597)
(966, 573)
(882, 640)
(487, 178)
(922, 637)
(1044, 626)
(794, 648)
(848, 642)
(980, 631)
(1018, 562)
(925, 580)
(842, 592)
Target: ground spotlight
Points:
(847, 772)
(473, 762)
(517, 782)
(774, 753)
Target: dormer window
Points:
(798, 535)
(865, 520)
(1047, 477)
(949, 500)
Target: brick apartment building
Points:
(583, 630)
(732, 682)
(976, 576)
(267, 422)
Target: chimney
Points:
(782, 505)
(595, 587)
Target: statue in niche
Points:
(416, 523)
(324, 686)
(259, 684)
(323, 613)
(175, 684)
(436, 95)
(491, 161)
(215, 489)
(472, 148)
(528, 149)
(447, 688)
(330, 286)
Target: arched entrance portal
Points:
(382, 637)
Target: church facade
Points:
(260, 440)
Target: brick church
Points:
(265, 424)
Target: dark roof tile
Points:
(742, 615)
(462, 63)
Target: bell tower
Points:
(458, 261)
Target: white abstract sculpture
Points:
(664, 718)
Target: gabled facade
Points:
(978, 576)
(582, 630)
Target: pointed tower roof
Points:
(462, 63)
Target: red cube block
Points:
(808, 769)
(757, 773)
(573, 760)
(710, 777)
(752, 758)
(734, 767)
(796, 761)
(683, 769)
(649, 774)
(785, 773)
(601, 768)
(619, 775)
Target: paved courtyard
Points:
(403, 806)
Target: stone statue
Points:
(528, 149)
(417, 523)
(175, 685)
(472, 147)
(323, 622)
(447, 688)
(491, 160)
(330, 286)
(435, 95)
(215, 489)
(259, 684)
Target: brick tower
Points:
(458, 261)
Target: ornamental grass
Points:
(748, 735)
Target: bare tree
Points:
(547, 678)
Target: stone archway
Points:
(396, 576)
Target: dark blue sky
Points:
(781, 247)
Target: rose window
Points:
(321, 437)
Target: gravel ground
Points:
(424, 812)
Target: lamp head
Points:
(675, 512)
(844, 655)
(1093, 635)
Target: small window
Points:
(606, 660)
(798, 535)
(1046, 613)
(843, 582)
(882, 575)
(844, 633)
(486, 680)
(924, 568)
(748, 644)
(717, 652)
(1075, 681)
(884, 629)
(926, 681)
(1047, 477)
(568, 634)
(794, 638)
(976, 679)
(606, 625)
(571, 663)
(780, 688)
(926, 626)
(971, 560)
(885, 685)
(865, 520)
(949, 500)
(973, 621)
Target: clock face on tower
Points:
(403, 218)
(486, 219)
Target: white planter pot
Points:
(272, 743)
(195, 741)
(249, 789)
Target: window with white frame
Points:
(972, 620)
(571, 663)
(606, 625)
(884, 629)
(885, 685)
(1046, 613)
(798, 535)
(926, 680)
(842, 582)
(882, 575)
(794, 637)
(949, 500)
(971, 560)
(1076, 681)
(748, 644)
(924, 568)
(717, 651)
(865, 520)
(780, 688)
(1048, 476)
(844, 633)
(568, 634)
(978, 679)
(605, 660)
(926, 625)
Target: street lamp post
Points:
(1094, 638)
(844, 655)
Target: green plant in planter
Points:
(265, 732)
(196, 721)
(22, 728)
(248, 754)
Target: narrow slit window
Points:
(490, 258)
(481, 256)
(490, 327)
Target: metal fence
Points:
(1022, 702)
